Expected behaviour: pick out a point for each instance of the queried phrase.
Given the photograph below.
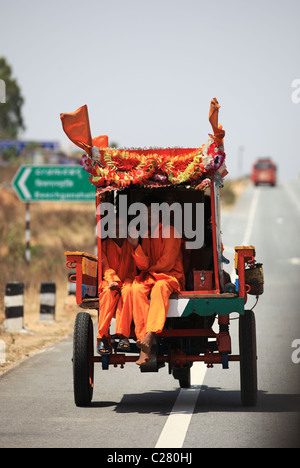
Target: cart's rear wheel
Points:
(83, 363)
(248, 357)
(183, 375)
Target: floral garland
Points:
(112, 168)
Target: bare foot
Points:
(143, 359)
(146, 344)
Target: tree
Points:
(11, 119)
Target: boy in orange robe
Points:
(160, 260)
(119, 271)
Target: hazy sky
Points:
(147, 69)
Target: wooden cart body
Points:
(188, 335)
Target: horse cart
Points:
(197, 327)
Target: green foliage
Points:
(11, 119)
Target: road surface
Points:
(136, 410)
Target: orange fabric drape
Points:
(160, 261)
(161, 257)
(118, 265)
(219, 133)
(100, 141)
(76, 125)
(118, 262)
(150, 317)
(115, 303)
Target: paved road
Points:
(130, 409)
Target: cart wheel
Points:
(83, 363)
(248, 358)
(183, 375)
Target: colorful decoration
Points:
(115, 168)
(112, 168)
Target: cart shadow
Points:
(155, 402)
(103, 404)
(214, 399)
(210, 400)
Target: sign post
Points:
(53, 183)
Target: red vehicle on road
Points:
(264, 172)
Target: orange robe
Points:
(160, 262)
(117, 265)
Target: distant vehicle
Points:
(264, 172)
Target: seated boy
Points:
(119, 271)
(160, 261)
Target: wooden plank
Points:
(190, 295)
(89, 267)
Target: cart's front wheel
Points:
(83, 363)
(248, 358)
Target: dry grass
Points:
(55, 228)
(231, 191)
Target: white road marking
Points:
(174, 432)
(251, 216)
(293, 197)
(229, 249)
(249, 226)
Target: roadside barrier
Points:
(47, 301)
(2, 352)
(14, 307)
(71, 284)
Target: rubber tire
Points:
(83, 363)
(185, 383)
(248, 358)
(184, 376)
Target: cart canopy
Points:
(112, 169)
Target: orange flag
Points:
(77, 127)
(101, 141)
(213, 118)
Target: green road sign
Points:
(53, 183)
